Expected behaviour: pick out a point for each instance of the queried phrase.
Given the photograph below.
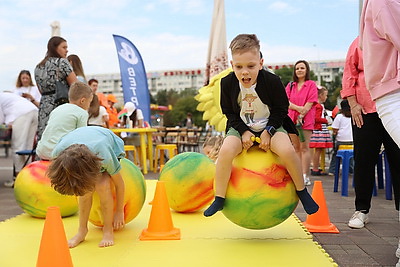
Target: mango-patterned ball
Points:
(261, 193)
(135, 194)
(189, 181)
(33, 192)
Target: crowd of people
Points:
(40, 119)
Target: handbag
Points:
(61, 94)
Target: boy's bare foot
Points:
(77, 239)
(108, 240)
(119, 222)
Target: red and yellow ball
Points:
(261, 193)
(189, 180)
(135, 194)
(34, 194)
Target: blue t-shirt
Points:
(101, 141)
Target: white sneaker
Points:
(306, 180)
(9, 184)
(398, 251)
(358, 220)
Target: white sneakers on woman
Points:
(358, 220)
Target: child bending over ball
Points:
(255, 104)
(84, 162)
(65, 118)
(211, 147)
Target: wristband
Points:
(271, 130)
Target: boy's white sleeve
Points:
(336, 122)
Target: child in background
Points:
(342, 133)
(84, 161)
(65, 118)
(257, 96)
(211, 147)
(321, 137)
(98, 115)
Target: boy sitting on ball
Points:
(255, 103)
(84, 161)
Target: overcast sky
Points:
(170, 34)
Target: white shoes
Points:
(9, 183)
(358, 220)
(306, 180)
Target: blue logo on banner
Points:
(133, 75)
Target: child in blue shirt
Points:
(84, 161)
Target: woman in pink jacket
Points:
(369, 135)
(380, 40)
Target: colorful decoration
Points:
(209, 97)
(189, 179)
(34, 194)
(260, 194)
(135, 194)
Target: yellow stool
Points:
(132, 149)
(346, 147)
(160, 149)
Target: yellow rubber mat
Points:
(213, 241)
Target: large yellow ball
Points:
(135, 194)
(189, 179)
(34, 194)
(261, 193)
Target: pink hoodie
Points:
(380, 41)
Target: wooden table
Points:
(143, 133)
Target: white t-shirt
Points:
(13, 106)
(99, 119)
(253, 111)
(32, 90)
(343, 124)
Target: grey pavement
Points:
(374, 245)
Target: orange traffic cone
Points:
(160, 224)
(319, 222)
(54, 249)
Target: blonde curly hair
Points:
(214, 144)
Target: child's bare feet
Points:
(77, 239)
(108, 239)
(118, 223)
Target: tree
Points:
(182, 103)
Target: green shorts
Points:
(232, 131)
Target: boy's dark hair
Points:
(79, 90)
(244, 42)
(295, 78)
(345, 108)
(92, 81)
(75, 171)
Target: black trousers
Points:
(367, 143)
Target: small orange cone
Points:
(319, 222)
(160, 224)
(54, 250)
